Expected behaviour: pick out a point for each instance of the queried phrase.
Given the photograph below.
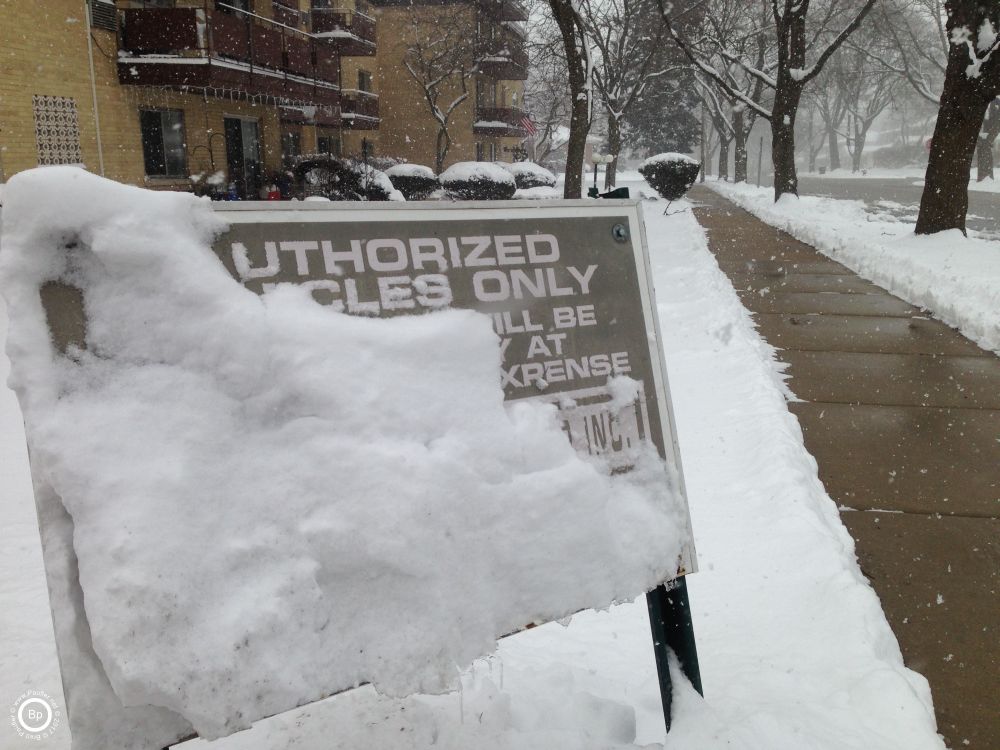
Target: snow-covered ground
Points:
(875, 173)
(955, 277)
(913, 175)
(795, 650)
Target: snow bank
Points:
(537, 193)
(955, 277)
(273, 501)
(472, 171)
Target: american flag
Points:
(528, 125)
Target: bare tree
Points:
(579, 68)
(814, 139)
(441, 57)
(827, 98)
(732, 31)
(918, 44)
(971, 83)
(794, 40)
(626, 36)
(546, 92)
(866, 90)
(719, 113)
(921, 49)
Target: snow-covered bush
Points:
(415, 181)
(671, 175)
(478, 181)
(375, 184)
(529, 175)
(343, 179)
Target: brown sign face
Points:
(566, 288)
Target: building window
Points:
(291, 145)
(163, 145)
(480, 152)
(328, 143)
(486, 93)
(493, 152)
(57, 130)
(103, 15)
(365, 81)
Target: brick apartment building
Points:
(153, 92)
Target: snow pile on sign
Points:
(273, 501)
(957, 278)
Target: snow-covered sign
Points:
(337, 456)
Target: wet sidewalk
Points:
(902, 414)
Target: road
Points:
(901, 197)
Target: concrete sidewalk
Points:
(902, 414)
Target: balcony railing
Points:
(352, 32)
(500, 121)
(505, 59)
(226, 50)
(359, 110)
(505, 10)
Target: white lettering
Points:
(498, 278)
(534, 256)
(395, 247)
(241, 260)
(583, 280)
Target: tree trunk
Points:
(860, 137)
(988, 136)
(831, 135)
(984, 158)
(704, 150)
(945, 199)
(740, 147)
(786, 105)
(443, 143)
(614, 146)
(723, 170)
(579, 121)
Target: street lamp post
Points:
(597, 158)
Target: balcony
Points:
(503, 122)
(504, 10)
(226, 52)
(504, 59)
(351, 32)
(325, 116)
(359, 110)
